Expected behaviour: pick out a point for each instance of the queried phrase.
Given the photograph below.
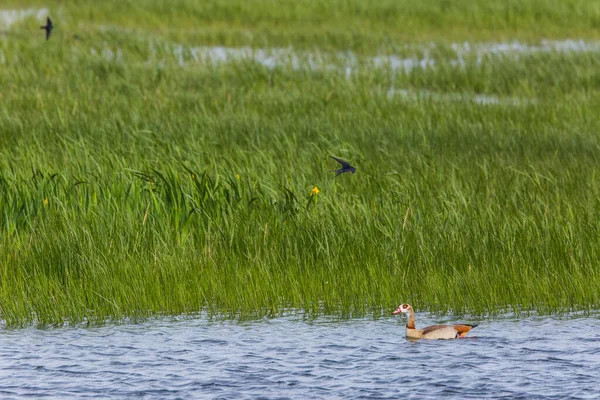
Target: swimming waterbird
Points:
(431, 332)
(48, 27)
(346, 167)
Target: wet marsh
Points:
(149, 167)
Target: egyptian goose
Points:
(431, 332)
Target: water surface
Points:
(290, 358)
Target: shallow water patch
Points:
(423, 56)
(10, 17)
(479, 99)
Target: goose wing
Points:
(434, 328)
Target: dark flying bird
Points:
(48, 27)
(346, 167)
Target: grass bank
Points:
(136, 179)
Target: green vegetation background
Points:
(136, 180)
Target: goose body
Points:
(431, 332)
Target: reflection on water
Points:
(193, 358)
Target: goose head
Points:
(403, 308)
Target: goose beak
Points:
(398, 311)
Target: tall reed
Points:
(136, 180)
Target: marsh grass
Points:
(327, 24)
(131, 188)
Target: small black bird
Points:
(346, 167)
(48, 27)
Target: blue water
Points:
(290, 358)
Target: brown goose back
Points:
(432, 328)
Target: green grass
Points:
(131, 188)
(363, 26)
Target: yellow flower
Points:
(315, 191)
(46, 201)
(237, 176)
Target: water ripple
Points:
(290, 359)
